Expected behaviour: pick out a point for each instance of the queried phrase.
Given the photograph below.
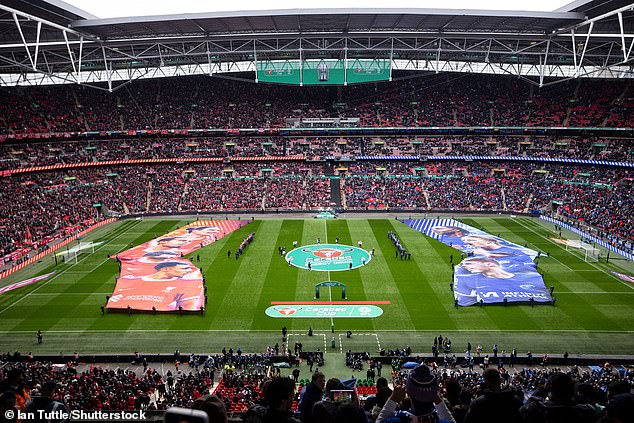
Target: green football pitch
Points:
(594, 312)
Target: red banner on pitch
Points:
(154, 275)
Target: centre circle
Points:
(328, 257)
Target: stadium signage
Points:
(323, 311)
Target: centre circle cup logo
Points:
(328, 253)
(287, 311)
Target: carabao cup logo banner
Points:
(154, 274)
(328, 257)
(314, 311)
(494, 268)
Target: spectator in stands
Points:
(620, 409)
(382, 395)
(215, 409)
(8, 403)
(312, 394)
(349, 413)
(426, 404)
(326, 409)
(44, 402)
(14, 382)
(559, 406)
(494, 404)
(278, 395)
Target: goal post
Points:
(590, 252)
(71, 255)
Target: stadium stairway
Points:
(528, 203)
(335, 185)
(335, 191)
(148, 198)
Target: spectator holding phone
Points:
(338, 401)
(426, 405)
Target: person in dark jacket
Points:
(46, 403)
(278, 397)
(324, 411)
(312, 394)
(494, 404)
(559, 406)
(214, 408)
(620, 409)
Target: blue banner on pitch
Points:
(493, 270)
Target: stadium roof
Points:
(341, 21)
(52, 42)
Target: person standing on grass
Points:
(39, 336)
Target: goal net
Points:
(71, 255)
(590, 252)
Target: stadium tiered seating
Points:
(440, 100)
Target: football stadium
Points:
(317, 215)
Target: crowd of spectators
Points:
(438, 100)
(38, 205)
(24, 155)
(244, 385)
(598, 196)
(45, 205)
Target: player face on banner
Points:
(154, 274)
(158, 256)
(490, 246)
(451, 231)
(174, 243)
(173, 270)
(186, 240)
(495, 270)
(492, 280)
(486, 267)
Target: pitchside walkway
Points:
(334, 362)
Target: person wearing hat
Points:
(426, 405)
